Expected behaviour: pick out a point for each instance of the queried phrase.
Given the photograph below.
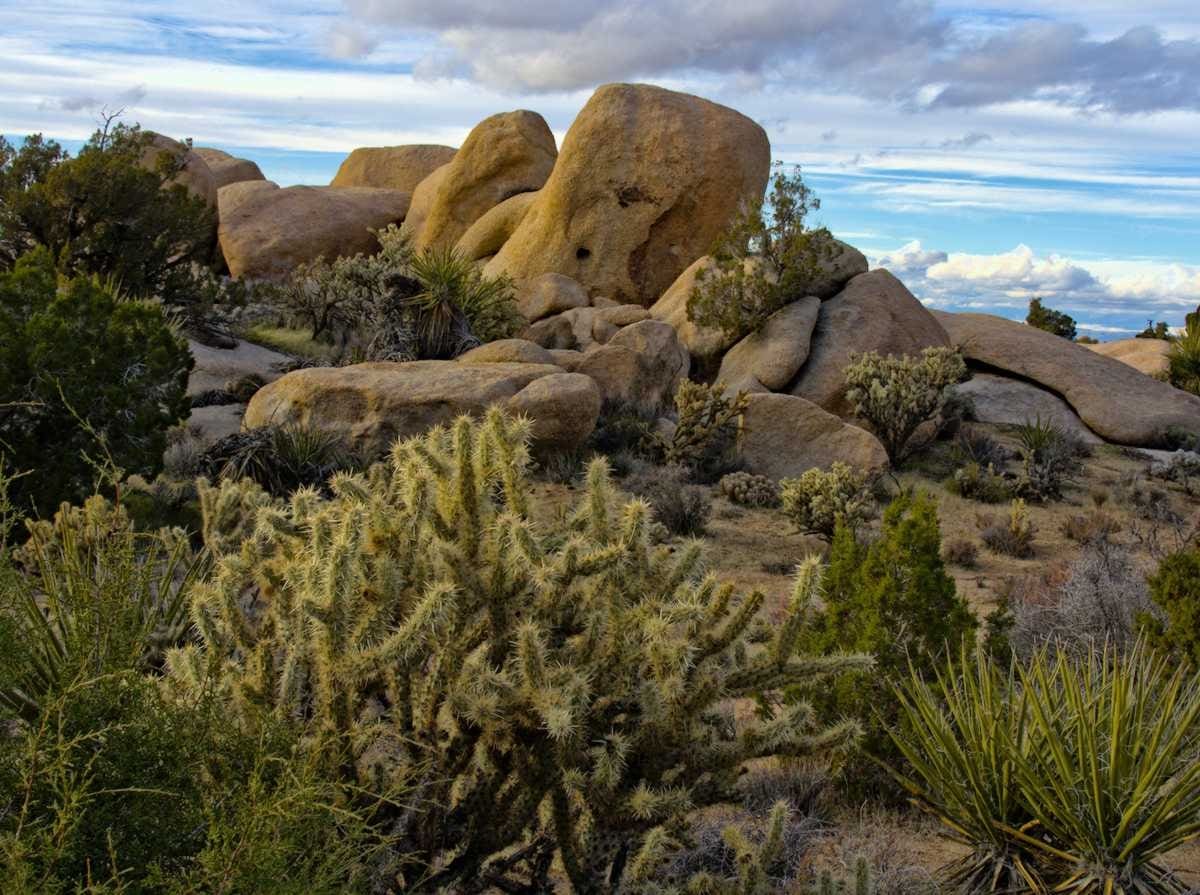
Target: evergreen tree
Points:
(1041, 317)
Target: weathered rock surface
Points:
(873, 313)
(646, 181)
(1013, 402)
(195, 176)
(265, 231)
(392, 167)
(1116, 401)
(208, 425)
(217, 366)
(551, 293)
(373, 404)
(226, 168)
(784, 436)
(705, 344)
(641, 365)
(838, 264)
(769, 359)
(508, 351)
(552, 333)
(1147, 355)
(504, 155)
(485, 237)
(422, 201)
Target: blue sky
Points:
(986, 152)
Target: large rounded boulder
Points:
(487, 235)
(265, 232)
(194, 176)
(641, 366)
(392, 167)
(504, 155)
(783, 436)
(873, 313)
(374, 404)
(768, 359)
(226, 168)
(646, 181)
(1116, 401)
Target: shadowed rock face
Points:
(392, 167)
(1116, 401)
(784, 436)
(873, 313)
(646, 181)
(1012, 402)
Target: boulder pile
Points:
(604, 241)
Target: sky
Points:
(985, 152)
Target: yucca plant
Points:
(1183, 358)
(1112, 771)
(280, 458)
(962, 731)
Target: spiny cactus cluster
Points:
(707, 424)
(547, 696)
(750, 490)
(819, 499)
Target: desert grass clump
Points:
(747, 489)
(961, 552)
(1010, 536)
(819, 500)
(680, 506)
(895, 394)
(984, 484)
(280, 458)
(549, 695)
(975, 446)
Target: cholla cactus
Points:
(544, 692)
(818, 500)
(707, 424)
(896, 393)
(750, 490)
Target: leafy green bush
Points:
(82, 372)
(104, 213)
(1049, 320)
(892, 599)
(766, 259)
(534, 685)
(819, 501)
(897, 393)
(1175, 589)
(1067, 775)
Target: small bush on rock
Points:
(750, 490)
(896, 394)
(1049, 320)
(818, 501)
(1010, 536)
(767, 259)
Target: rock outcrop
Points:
(504, 155)
(1011, 402)
(373, 404)
(195, 176)
(1147, 355)
(1116, 401)
(487, 235)
(769, 359)
(265, 231)
(226, 168)
(705, 344)
(551, 293)
(507, 351)
(641, 365)
(783, 436)
(873, 313)
(647, 179)
(392, 167)
(217, 366)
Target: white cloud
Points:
(346, 41)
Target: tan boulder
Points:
(227, 169)
(507, 351)
(768, 360)
(1116, 401)
(837, 264)
(1011, 402)
(195, 175)
(783, 436)
(374, 404)
(642, 365)
(623, 315)
(265, 231)
(1147, 355)
(705, 344)
(208, 425)
(873, 313)
(552, 333)
(567, 358)
(646, 181)
(564, 408)
(391, 167)
(551, 293)
(422, 200)
(485, 237)
(504, 155)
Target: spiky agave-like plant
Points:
(547, 693)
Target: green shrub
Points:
(536, 685)
(705, 431)
(103, 213)
(819, 501)
(1175, 589)
(1011, 536)
(1183, 360)
(766, 260)
(897, 393)
(1160, 330)
(1067, 775)
(973, 482)
(83, 373)
(892, 599)
(1049, 320)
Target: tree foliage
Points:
(1056, 322)
(1175, 588)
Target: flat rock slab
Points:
(208, 425)
(1011, 402)
(1116, 401)
(217, 366)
